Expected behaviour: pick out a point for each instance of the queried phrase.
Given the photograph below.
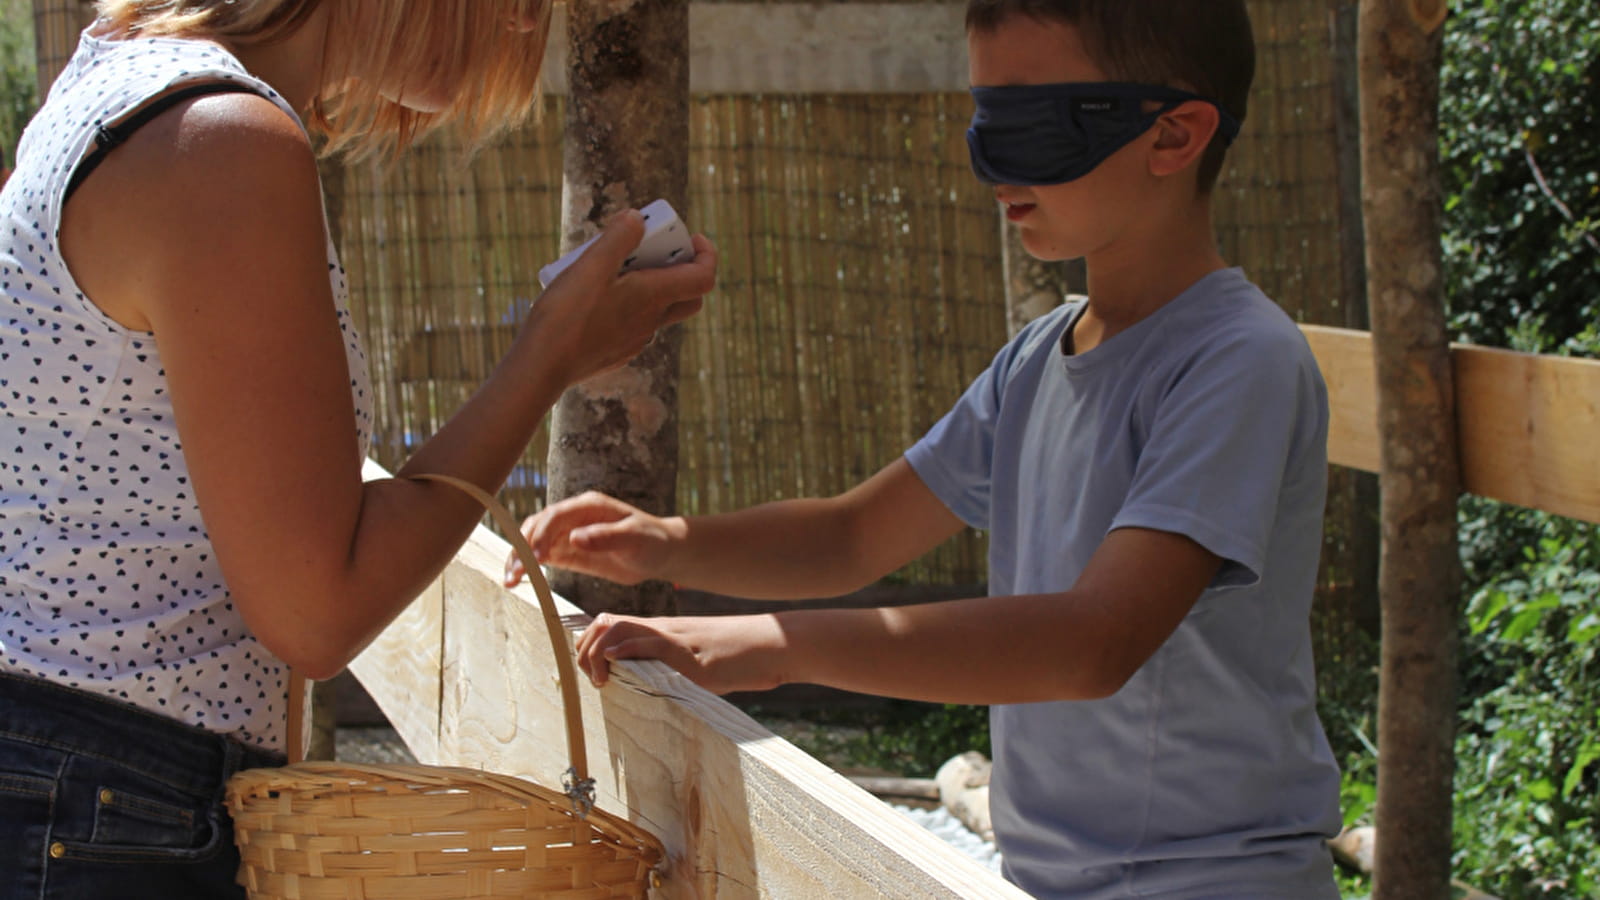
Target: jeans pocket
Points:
(131, 818)
(124, 817)
(26, 798)
(18, 788)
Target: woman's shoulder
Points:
(111, 80)
(123, 67)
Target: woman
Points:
(182, 516)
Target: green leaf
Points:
(1584, 630)
(1528, 618)
(1493, 606)
(1586, 755)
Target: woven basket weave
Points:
(340, 831)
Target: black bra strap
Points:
(108, 137)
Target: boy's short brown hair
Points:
(1204, 46)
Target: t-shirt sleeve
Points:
(955, 459)
(1226, 433)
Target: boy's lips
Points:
(1018, 211)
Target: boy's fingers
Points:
(587, 642)
(555, 524)
(600, 537)
(648, 647)
(514, 570)
(557, 531)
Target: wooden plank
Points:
(1345, 357)
(1530, 429)
(1528, 424)
(742, 812)
(810, 48)
(400, 669)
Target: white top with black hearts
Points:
(108, 582)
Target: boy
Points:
(1151, 467)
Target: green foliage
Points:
(17, 89)
(1528, 752)
(898, 736)
(1347, 691)
(1520, 104)
(1527, 790)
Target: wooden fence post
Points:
(1400, 52)
(1353, 495)
(627, 144)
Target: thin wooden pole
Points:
(627, 143)
(1353, 495)
(1399, 52)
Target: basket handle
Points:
(577, 783)
(579, 786)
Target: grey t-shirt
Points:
(1208, 774)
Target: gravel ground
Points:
(950, 830)
(371, 745)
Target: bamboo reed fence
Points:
(860, 289)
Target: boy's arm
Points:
(787, 550)
(1083, 643)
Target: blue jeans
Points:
(103, 800)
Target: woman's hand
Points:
(720, 653)
(599, 535)
(592, 320)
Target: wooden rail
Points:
(465, 676)
(1529, 425)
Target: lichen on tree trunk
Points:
(627, 144)
(1420, 578)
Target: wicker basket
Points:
(339, 831)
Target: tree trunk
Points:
(627, 143)
(1399, 50)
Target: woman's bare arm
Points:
(207, 228)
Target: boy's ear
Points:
(1185, 134)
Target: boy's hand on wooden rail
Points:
(601, 536)
(720, 653)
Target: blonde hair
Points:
(491, 49)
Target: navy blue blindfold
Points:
(1037, 134)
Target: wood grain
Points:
(467, 678)
(1528, 425)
